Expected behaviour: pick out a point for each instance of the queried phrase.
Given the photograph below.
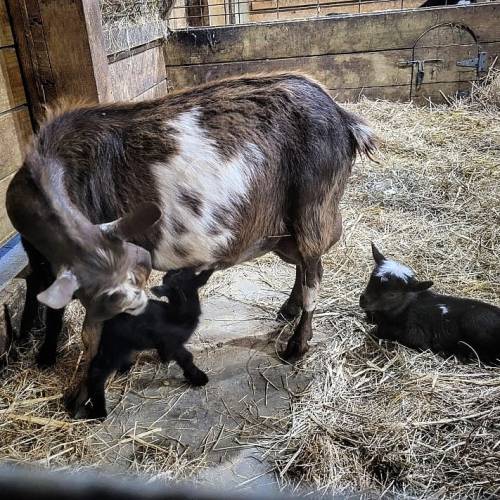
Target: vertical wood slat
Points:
(6, 37)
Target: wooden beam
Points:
(61, 47)
(332, 35)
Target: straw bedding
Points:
(378, 417)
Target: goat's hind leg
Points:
(298, 343)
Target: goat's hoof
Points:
(45, 359)
(199, 379)
(295, 350)
(81, 409)
(288, 312)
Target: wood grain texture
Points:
(134, 75)
(11, 83)
(338, 71)
(15, 133)
(6, 37)
(159, 90)
(390, 30)
(6, 229)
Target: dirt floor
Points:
(357, 414)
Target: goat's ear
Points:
(60, 293)
(137, 222)
(377, 254)
(420, 286)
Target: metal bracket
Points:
(480, 62)
(420, 64)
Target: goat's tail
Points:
(364, 138)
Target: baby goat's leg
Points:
(192, 373)
(100, 369)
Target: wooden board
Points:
(159, 90)
(15, 132)
(5, 29)
(338, 71)
(11, 83)
(134, 75)
(6, 229)
(333, 35)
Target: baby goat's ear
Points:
(420, 286)
(158, 291)
(202, 277)
(377, 254)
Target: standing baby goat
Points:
(163, 326)
(405, 310)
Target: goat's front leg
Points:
(312, 273)
(47, 354)
(193, 374)
(77, 396)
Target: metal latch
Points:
(479, 62)
(420, 63)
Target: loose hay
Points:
(378, 417)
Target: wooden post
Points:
(62, 51)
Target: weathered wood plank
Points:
(134, 75)
(11, 84)
(119, 39)
(15, 132)
(339, 71)
(159, 90)
(6, 37)
(6, 229)
(331, 35)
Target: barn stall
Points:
(356, 415)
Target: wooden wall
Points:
(351, 55)
(15, 123)
(138, 74)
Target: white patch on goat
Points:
(395, 269)
(444, 309)
(199, 168)
(310, 296)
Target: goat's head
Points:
(110, 275)
(181, 282)
(392, 286)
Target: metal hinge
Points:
(480, 62)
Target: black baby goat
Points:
(404, 310)
(163, 326)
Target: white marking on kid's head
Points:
(444, 309)
(394, 269)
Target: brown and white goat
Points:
(238, 167)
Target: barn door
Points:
(446, 59)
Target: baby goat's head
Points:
(181, 283)
(392, 286)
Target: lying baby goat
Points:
(163, 326)
(405, 310)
